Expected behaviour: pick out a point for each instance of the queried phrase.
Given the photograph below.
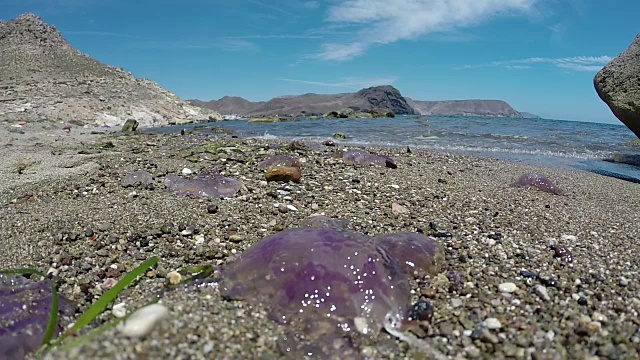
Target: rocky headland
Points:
(44, 78)
(377, 101)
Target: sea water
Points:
(541, 142)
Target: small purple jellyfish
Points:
(137, 177)
(279, 160)
(361, 157)
(418, 255)
(25, 307)
(537, 181)
(204, 185)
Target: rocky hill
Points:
(381, 98)
(43, 77)
(229, 105)
(465, 108)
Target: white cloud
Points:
(354, 83)
(576, 63)
(384, 21)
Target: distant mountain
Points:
(465, 108)
(382, 98)
(228, 105)
(43, 77)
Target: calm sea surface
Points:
(569, 144)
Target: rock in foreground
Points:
(618, 85)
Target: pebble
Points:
(174, 277)
(104, 227)
(541, 291)
(212, 209)
(623, 281)
(455, 303)
(235, 238)
(186, 171)
(492, 323)
(292, 208)
(568, 238)
(507, 287)
(143, 320)
(119, 310)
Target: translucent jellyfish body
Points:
(362, 157)
(25, 307)
(214, 186)
(539, 182)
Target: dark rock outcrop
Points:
(464, 108)
(618, 85)
(43, 77)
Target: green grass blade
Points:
(98, 307)
(53, 316)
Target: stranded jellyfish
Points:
(537, 181)
(331, 286)
(134, 178)
(418, 255)
(279, 160)
(25, 307)
(363, 157)
(204, 185)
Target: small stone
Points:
(119, 310)
(583, 301)
(235, 238)
(212, 208)
(174, 277)
(623, 281)
(507, 287)
(88, 233)
(541, 291)
(456, 302)
(398, 209)
(283, 174)
(492, 323)
(187, 171)
(482, 333)
(568, 238)
(199, 239)
(188, 231)
(143, 320)
(104, 227)
(292, 208)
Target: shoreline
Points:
(498, 231)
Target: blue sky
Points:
(538, 55)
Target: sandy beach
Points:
(64, 209)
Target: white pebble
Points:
(186, 171)
(568, 238)
(119, 310)
(199, 239)
(292, 208)
(143, 320)
(542, 292)
(507, 287)
(492, 323)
